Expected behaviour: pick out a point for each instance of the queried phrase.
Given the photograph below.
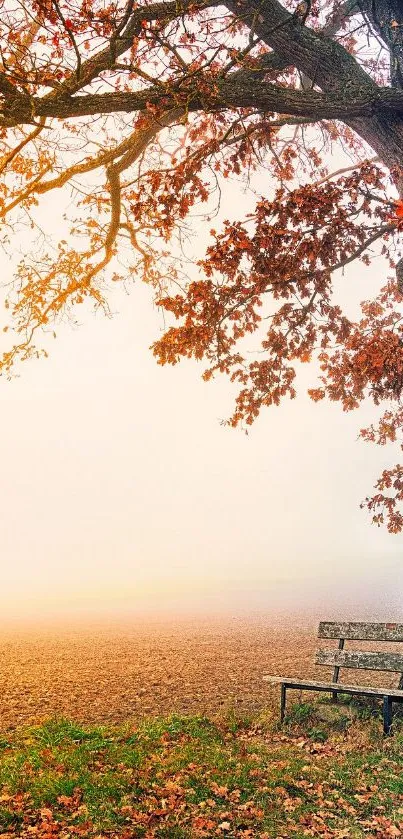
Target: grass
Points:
(329, 773)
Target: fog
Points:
(124, 495)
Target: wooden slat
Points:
(361, 631)
(361, 660)
(363, 690)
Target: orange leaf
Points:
(399, 209)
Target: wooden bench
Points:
(355, 659)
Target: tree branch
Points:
(341, 13)
(313, 53)
(105, 59)
(242, 92)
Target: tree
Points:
(141, 110)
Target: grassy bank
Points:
(329, 774)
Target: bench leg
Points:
(282, 703)
(387, 714)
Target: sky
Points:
(123, 494)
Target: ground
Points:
(168, 731)
(193, 776)
(112, 673)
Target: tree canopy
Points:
(140, 111)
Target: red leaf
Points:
(399, 209)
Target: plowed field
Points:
(112, 673)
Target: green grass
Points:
(328, 773)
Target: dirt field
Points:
(112, 673)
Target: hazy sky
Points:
(121, 491)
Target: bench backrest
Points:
(357, 659)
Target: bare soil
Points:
(115, 672)
(111, 673)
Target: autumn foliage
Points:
(137, 114)
(199, 777)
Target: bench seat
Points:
(334, 687)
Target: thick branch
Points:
(242, 93)
(334, 70)
(324, 61)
